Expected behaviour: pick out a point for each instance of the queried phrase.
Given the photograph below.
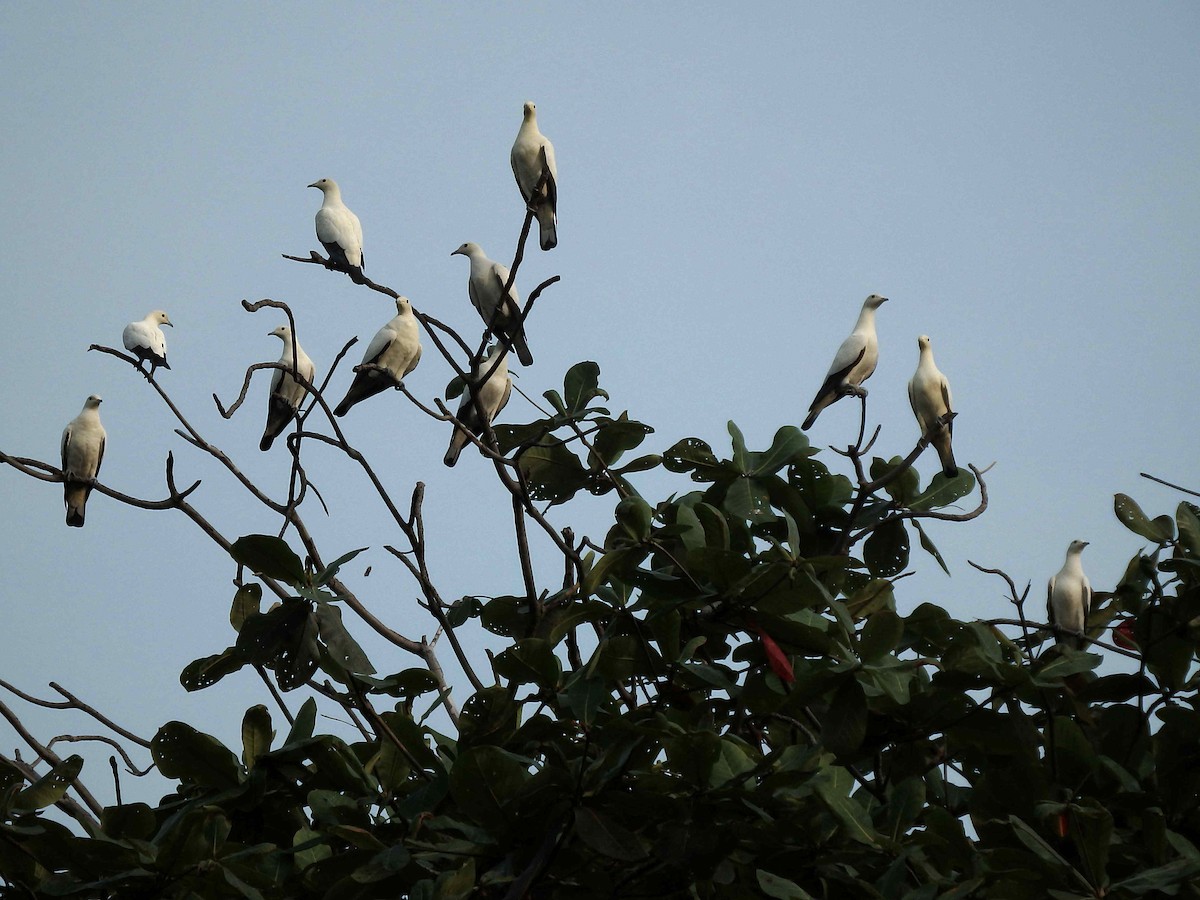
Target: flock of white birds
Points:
(395, 350)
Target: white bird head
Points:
(469, 249)
(1077, 547)
(923, 342)
(93, 402)
(403, 306)
(283, 332)
(159, 318)
(326, 185)
(530, 109)
(874, 302)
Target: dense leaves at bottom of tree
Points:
(727, 702)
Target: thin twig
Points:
(129, 766)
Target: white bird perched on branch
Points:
(485, 287)
(853, 364)
(145, 339)
(493, 395)
(286, 393)
(929, 394)
(82, 452)
(395, 348)
(1069, 597)
(528, 165)
(338, 229)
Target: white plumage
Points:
(82, 452)
(929, 394)
(485, 287)
(338, 229)
(528, 166)
(396, 347)
(493, 395)
(145, 339)
(1069, 597)
(853, 364)
(286, 393)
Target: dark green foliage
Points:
(726, 703)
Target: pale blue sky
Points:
(1021, 181)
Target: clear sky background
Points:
(1020, 179)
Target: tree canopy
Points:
(720, 698)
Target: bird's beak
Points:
(456, 252)
(172, 324)
(1085, 543)
(314, 184)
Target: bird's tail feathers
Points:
(547, 226)
(75, 496)
(456, 445)
(946, 455)
(521, 348)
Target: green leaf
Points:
(130, 821)
(208, 670)
(880, 636)
(821, 489)
(581, 385)
(587, 696)
(844, 725)
(747, 499)
(330, 571)
(310, 847)
(943, 491)
(740, 456)
(554, 474)
(1189, 529)
(530, 660)
(341, 645)
(383, 864)
(905, 802)
(927, 545)
(614, 436)
(51, 787)
(510, 436)
(1132, 517)
(256, 734)
(641, 464)
(457, 884)
(903, 487)
(876, 594)
(833, 785)
(246, 602)
(489, 716)
(634, 516)
(1040, 848)
(1156, 881)
(270, 557)
(485, 780)
(305, 722)
(607, 837)
(779, 888)
(695, 456)
(790, 445)
(1091, 832)
(886, 549)
(182, 752)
